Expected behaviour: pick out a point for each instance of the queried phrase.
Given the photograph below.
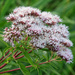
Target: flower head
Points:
(43, 27)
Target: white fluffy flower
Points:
(50, 19)
(44, 29)
(66, 54)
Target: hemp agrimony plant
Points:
(38, 36)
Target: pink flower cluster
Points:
(43, 28)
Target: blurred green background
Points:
(64, 8)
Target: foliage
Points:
(66, 10)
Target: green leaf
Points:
(28, 57)
(67, 9)
(31, 69)
(23, 69)
(67, 20)
(39, 72)
(6, 67)
(0, 54)
(45, 71)
(6, 74)
(41, 4)
(5, 50)
(70, 69)
(54, 70)
(5, 7)
(1, 39)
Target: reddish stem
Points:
(30, 51)
(8, 51)
(15, 53)
(5, 57)
(18, 54)
(19, 57)
(1, 58)
(26, 67)
(3, 65)
(13, 56)
(5, 54)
